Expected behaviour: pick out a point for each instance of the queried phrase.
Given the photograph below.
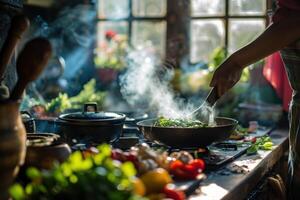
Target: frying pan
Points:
(188, 137)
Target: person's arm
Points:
(274, 38)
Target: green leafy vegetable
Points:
(94, 177)
(179, 123)
(59, 104)
(88, 94)
(262, 143)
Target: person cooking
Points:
(284, 35)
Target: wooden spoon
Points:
(19, 25)
(31, 62)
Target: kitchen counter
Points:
(237, 179)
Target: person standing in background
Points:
(284, 35)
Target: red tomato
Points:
(183, 171)
(171, 193)
(198, 163)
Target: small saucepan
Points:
(90, 126)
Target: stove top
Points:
(215, 155)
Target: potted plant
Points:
(111, 55)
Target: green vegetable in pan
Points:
(179, 123)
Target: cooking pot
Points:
(90, 126)
(44, 150)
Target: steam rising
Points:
(146, 84)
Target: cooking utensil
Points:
(31, 62)
(188, 137)
(43, 150)
(205, 108)
(12, 144)
(19, 25)
(90, 126)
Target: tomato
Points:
(171, 193)
(253, 140)
(183, 171)
(198, 163)
(187, 171)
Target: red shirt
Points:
(287, 8)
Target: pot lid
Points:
(90, 113)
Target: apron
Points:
(291, 58)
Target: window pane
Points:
(247, 7)
(145, 31)
(117, 27)
(208, 7)
(206, 35)
(243, 31)
(149, 8)
(113, 9)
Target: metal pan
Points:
(188, 137)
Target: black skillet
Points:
(188, 137)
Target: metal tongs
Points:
(203, 110)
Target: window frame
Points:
(131, 18)
(175, 9)
(227, 17)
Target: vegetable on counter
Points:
(239, 133)
(94, 177)
(112, 174)
(187, 171)
(179, 123)
(262, 143)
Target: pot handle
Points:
(90, 107)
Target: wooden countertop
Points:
(225, 184)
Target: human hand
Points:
(226, 76)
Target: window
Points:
(218, 23)
(224, 23)
(139, 20)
